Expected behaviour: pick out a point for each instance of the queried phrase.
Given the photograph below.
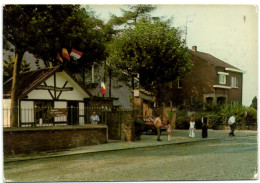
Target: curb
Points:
(117, 149)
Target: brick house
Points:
(211, 81)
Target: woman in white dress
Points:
(192, 128)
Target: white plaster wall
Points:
(40, 94)
(61, 77)
(76, 94)
(27, 111)
(6, 112)
(81, 112)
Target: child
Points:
(169, 130)
(192, 128)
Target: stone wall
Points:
(30, 140)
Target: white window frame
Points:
(234, 82)
(222, 79)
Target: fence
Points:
(47, 116)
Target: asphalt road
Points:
(222, 159)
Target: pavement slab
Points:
(178, 137)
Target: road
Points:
(222, 159)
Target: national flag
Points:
(102, 88)
(65, 54)
(59, 57)
(76, 54)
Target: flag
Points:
(76, 54)
(59, 57)
(102, 88)
(65, 54)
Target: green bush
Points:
(182, 120)
(197, 117)
(252, 114)
(214, 120)
(218, 115)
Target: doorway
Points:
(73, 113)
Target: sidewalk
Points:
(178, 137)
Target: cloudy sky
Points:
(228, 32)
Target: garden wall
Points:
(28, 140)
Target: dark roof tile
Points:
(27, 80)
(211, 59)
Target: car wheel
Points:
(149, 131)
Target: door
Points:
(73, 113)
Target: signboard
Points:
(41, 87)
(58, 112)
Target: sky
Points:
(228, 32)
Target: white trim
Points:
(234, 82)
(222, 77)
(220, 86)
(223, 73)
(234, 70)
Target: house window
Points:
(42, 112)
(221, 100)
(179, 84)
(234, 82)
(222, 79)
(209, 100)
(233, 103)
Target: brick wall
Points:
(29, 140)
(235, 94)
(199, 82)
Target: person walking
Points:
(169, 130)
(232, 124)
(158, 124)
(192, 128)
(205, 125)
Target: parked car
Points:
(149, 125)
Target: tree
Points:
(43, 30)
(132, 15)
(254, 103)
(9, 67)
(152, 50)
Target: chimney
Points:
(194, 48)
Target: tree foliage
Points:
(43, 30)
(254, 103)
(133, 14)
(152, 50)
(8, 66)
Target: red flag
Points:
(102, 88)
(76, 54)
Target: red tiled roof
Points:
(211, 59)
